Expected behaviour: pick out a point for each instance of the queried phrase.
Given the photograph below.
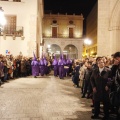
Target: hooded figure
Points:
(42, 66)
(67, 66)
(55, 64)
(46, 65)
(35, 66)
(61, 67)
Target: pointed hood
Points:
(55, 57)
(60, 56)
(42, 56)
(68, 59)
(55, 62)
(45, 61)
(34, 56)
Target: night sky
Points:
(69, 6)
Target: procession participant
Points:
(55, 64)
(35, 67)
(42, 66)
(45, 66)
(61, 67)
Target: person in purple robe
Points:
(67, 66)
(46, 65)
(35, 67)
(42, 66)
(61, 67)
(55, 65)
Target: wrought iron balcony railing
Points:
(12, 0)
(13, 31)
(59, 36)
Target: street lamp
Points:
(2, 19)
(2, 22)
(87, 42)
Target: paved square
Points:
(42, 98)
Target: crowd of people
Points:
(98, 78)
(14, 67)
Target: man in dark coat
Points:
(99, 81)
(35, 67)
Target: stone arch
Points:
(115, 28)
(54, 49)
(71, 50)
(115, 17)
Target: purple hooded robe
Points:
(42, 66)
(46, 67)
(55, 64)
(61, 67)
(35, 67)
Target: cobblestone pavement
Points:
(42, 98)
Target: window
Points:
(70, 32)
(10, 27)
(54, 32)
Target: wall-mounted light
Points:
(2, 17)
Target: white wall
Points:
(26, 12)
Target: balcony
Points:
(8, 31)
(12, 0)
(58, 36)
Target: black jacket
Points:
(100, 81)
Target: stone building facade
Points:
(108, 27)
(91, 32)
(22, 34)
(63, 34)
